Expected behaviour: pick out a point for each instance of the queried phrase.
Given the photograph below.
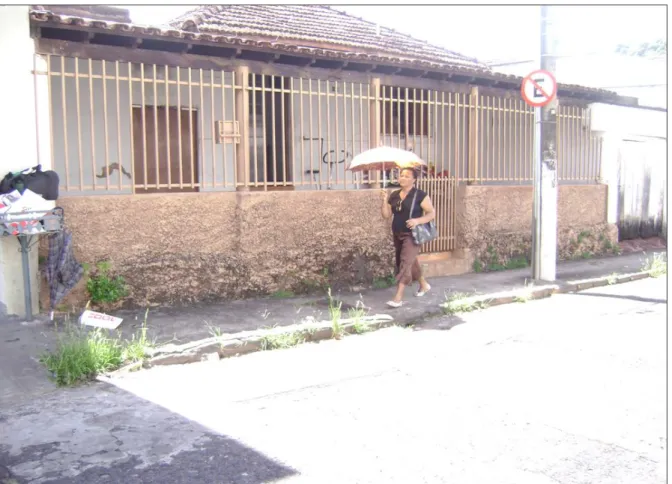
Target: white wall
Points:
(648, 129)
(21, 126)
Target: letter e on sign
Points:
(539, 88)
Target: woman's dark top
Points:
(401, 209)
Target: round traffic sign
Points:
(539, 88)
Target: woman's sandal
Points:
(394, 304)
(421, 293)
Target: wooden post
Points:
(374, 121)
(242, 92)
(473, 136)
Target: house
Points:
(207, 159)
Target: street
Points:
(567, 390)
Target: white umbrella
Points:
(382, 157)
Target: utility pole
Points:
(545, 219)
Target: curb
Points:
(236, 344)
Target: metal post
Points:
(25, 262)
(546, 186)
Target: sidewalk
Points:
(182, 325)
(23, 378)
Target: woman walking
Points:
(398, 205)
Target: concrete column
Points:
(609, 172)
(24, 137)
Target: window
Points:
(404, 111)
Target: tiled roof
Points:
(316, 26)
(54, 16)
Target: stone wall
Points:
(185, 248)
(495, 222)
(198, 247)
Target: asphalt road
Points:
(566, 390)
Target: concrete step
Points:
(440, 264)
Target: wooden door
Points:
(157, 149)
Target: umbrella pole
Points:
(384, 176)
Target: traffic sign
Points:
(539, 88)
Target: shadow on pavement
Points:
(109, 435)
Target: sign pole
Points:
(539, 90)
(548, 179)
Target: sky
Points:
(492, 32)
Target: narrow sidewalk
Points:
(182, 325)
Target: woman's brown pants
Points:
(406, 257)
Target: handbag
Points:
(422, 233)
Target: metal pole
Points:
(27, 296)
(546, 189)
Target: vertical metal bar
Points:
(225, 163)
(303, 167)
(345, 136)
(119, 157)
(79, 130)
(282, 131)
(51, 116)
(191, 131)
(273, 126)
(440, 142)
(516, 133)
(131, 124)
(106, 138)
(169, 165)
(254, 130)
(263, 129)
(328, 135)
(384, 104)
(310, 128)
(65, 124)
(361, 123)
(399, 118)
(179, 124)
(334, 161)
(201, 131)
(422, 122)
(458, 160)
(92, 120)
(156, 127)
(505, 141)
(411, 104)
(235, 116)
(212, 128)
(352, 125)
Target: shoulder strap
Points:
(415, 192)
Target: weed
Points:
(384, 282)
(282, 340)
(215, 331)
(582, 236)
(518, 262)
(81, 354)
(335, 314)
(478, 265)
(617, 249)
(460, 303)
(522, 298)
(282, 294)
(586, 255)
(356, 314)
(607, 245)
(136, 348)
(611, 280)
(656, 266)
(105, 289)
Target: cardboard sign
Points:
(99, 320)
